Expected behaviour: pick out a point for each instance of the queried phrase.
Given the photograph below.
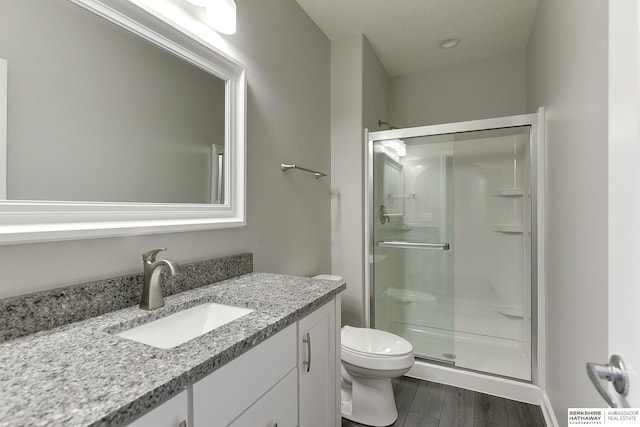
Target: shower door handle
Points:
(614, 372)
(413, 245)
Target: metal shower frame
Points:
(537, 151)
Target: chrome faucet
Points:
(152, 291)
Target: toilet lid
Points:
(374, 342)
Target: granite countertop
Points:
(81, 374)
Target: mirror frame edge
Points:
(43, 221)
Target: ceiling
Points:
(405, 33)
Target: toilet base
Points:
(374, 405)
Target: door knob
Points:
(615, 372)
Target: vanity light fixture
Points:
(220, 14)
(199, 3)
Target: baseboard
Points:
(547, 411)
(502, 387)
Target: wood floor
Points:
(427, 404)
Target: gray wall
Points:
(483, 89)
(347, 253)
(98, 114)
(375, 89)
(288, 216)
(488, 88)
(359, 98)
(570, 80)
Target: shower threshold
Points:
(502, 357)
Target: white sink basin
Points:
(184, 325)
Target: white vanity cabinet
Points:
(272, 384)
(172, 413)
(318, 367)
(221, 397)
(276, 408)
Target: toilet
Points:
(370, 358)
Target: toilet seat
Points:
(374, 342)
(375, 349)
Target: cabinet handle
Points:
(307, 340)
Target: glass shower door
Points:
(412, 262)
(451, 246)
(492, 275)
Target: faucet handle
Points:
(151, 255)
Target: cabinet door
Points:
(224, 394)
(171, 413)
(317, 367)
(277, 408)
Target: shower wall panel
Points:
(491, 179)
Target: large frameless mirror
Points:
(116, 123)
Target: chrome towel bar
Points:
(286, 167)
(413, 245)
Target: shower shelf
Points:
(510, 192)
(509, 229)
(507, 311)
(407, 295)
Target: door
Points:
(412, 234)
(624, 195)
(450, 218)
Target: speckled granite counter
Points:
(81, 374)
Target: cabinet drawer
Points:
(170, 414)
(279, 407)
(226, 393)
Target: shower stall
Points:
(452, 242)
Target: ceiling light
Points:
(449, 43)
(221, 15)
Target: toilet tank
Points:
(328, 277)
